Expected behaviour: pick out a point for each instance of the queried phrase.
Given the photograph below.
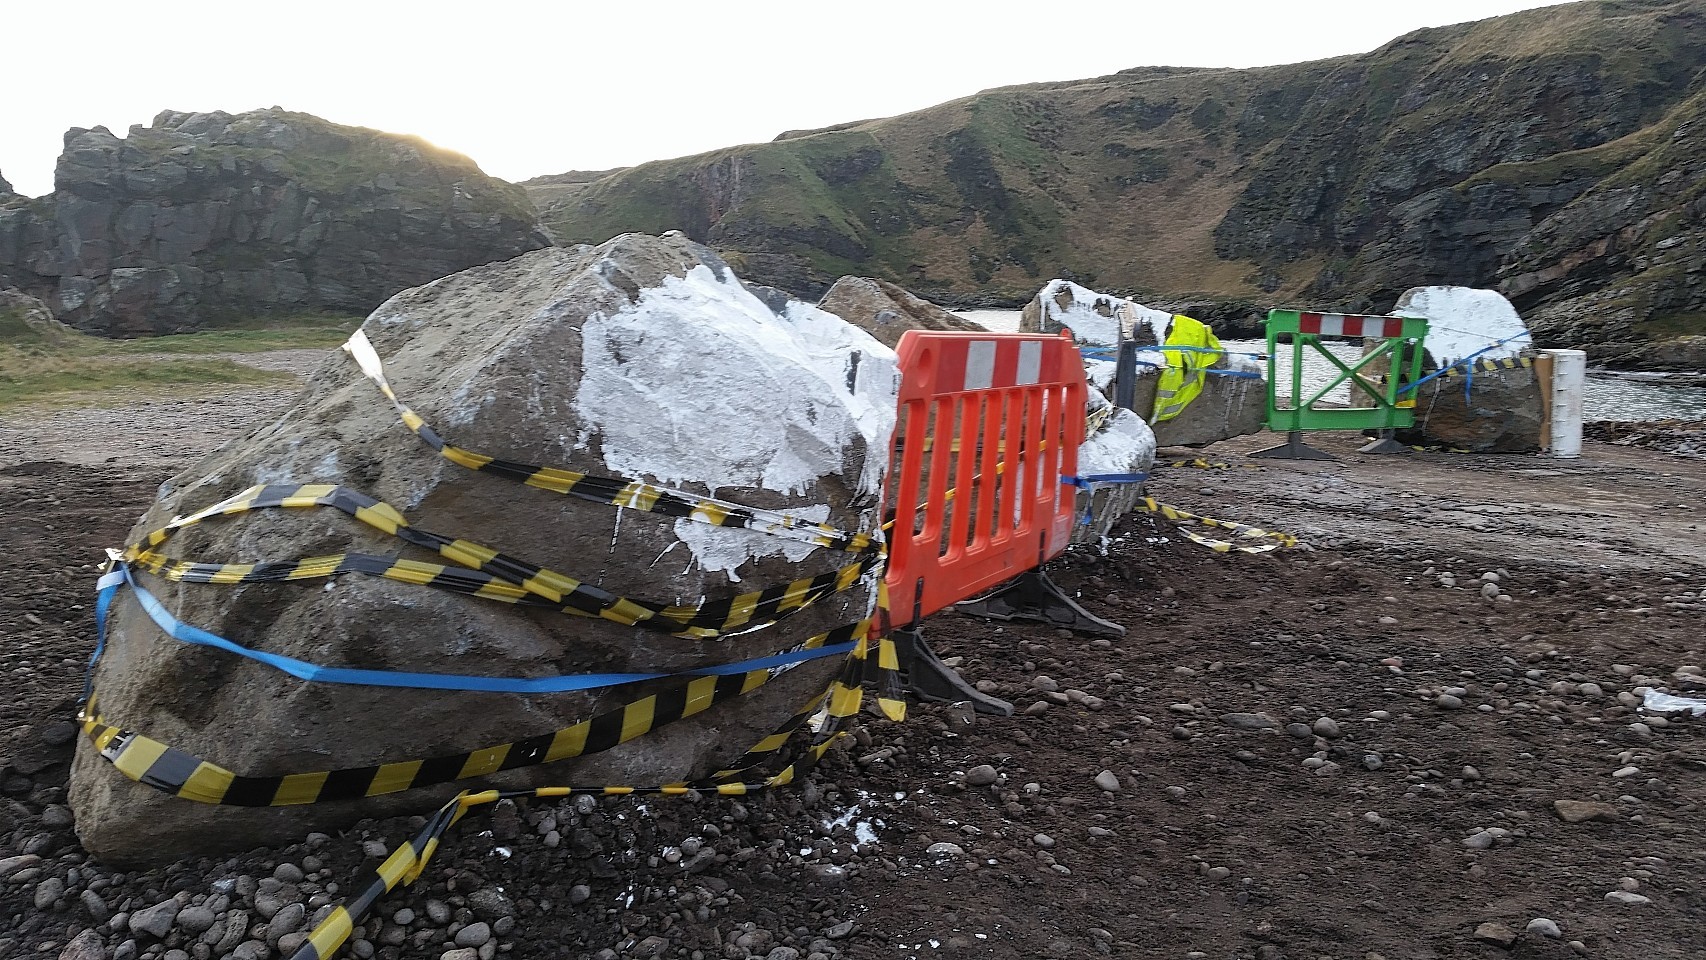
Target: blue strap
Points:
(303, 670)
(1240, 374)
(1087, 481)
(1469, 370)
(104, 590)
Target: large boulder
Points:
(1478, 406)
(643, 358)
(886, 311)
(203, 218)
(1229, 406)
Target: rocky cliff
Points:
(208, 217)
(1528, 152)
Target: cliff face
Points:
(1481, 154)
(201, 218)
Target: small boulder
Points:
(885, 311)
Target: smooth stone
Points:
(1108, 780)
(1496, 934)
(1545, 928)
(981, 775)
(1584, 811)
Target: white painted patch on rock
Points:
(700, 381)
(1463, 320)
(1125, 444)
(724, 549)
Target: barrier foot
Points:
(1383, 445)
(928, 678)
(1294, 449)
(1033, 596)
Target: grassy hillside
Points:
(1340, 182)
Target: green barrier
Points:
(1303, 332)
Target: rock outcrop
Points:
(203, 218)
(573, 358)
(885, 310)
(27, 324)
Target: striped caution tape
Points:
(1488, 366)
(484, 572)
(837, 704)
(1200, 464)
(615, 491)
(1437, 449)
(1238, 530)
(158, 765)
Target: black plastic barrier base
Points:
(1033, 596)
(928, 678)
(1386, 444)
(1294, 449)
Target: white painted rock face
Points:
(1464, 320)
(1094, 318)
(643, 358)
(1123, 446)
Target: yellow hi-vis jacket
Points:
(1182, 378)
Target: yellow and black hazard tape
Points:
(488, 574)
(615, 491)
(165, 768)
(1436, 449)
(1239, 530)
(1199, 463)
(1487, 366)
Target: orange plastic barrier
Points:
(988, 424)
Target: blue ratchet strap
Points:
(1087, 483)
(105, 587)
(1469, 371)
(1240, 374)
(303, 670)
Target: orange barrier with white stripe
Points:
(988, 425)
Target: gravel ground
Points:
(1421, 739)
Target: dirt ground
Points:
(1351, 751)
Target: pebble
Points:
(943, 848)
(1622, 773)
(1545, 928)
(981, 775)
(1249, 721)
(1218, 873)
(403, 917)
(288, 919)
(579, 894)
(474, 934)
(48, 893)
(287, 873)
(12, 865)
(196, 920)
(1326, 728)
(469, 953)
(1446, 701)
(1388, 621)
(1624, 896)
(438, 912)
(1301, 731)
(1043, 840)
(1108, 780)
(156, 921)
(1584, 811)
(1496, 934)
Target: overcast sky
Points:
(534, 88)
